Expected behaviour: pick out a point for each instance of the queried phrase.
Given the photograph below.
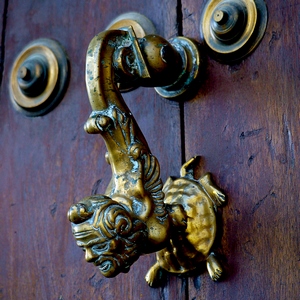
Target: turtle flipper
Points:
(152, 277)
(211, 190)
(214, 193)
(214, 268)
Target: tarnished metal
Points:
(178, 60)
(233, 28)
(39, 77)
(191, 64)
(137, 215)
(141, 26)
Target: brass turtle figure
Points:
(191, 205)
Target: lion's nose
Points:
(90, 255)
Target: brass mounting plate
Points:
(39, 77)
(191, 58)
(247, 33)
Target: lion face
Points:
(111, 238)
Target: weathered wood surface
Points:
(48, 163)
(244, 121)
(3, 8)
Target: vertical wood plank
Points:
(3, 9)
(49, 163)
(244, 121)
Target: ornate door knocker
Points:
(137, 214)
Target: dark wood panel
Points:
(244, 121)
(3, 7)
(48, 163)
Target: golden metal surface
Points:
(191, 205)
(191, 61)
(136, 214)
(39, 77)
(141, 25)
(181, 53)
(233, 28)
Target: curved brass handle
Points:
(137, 215)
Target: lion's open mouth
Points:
(105, 266)
(108, 265)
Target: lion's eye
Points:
(82, 209)
(99, 247)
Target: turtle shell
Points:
(201, 226)
(190, 244)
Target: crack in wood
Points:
(251, 133)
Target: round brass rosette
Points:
(39, 77)
(233, 28)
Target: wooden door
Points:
(243, 121)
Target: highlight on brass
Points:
(136, 214)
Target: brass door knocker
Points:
(137, 214)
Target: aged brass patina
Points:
(233, 28)
(39, 77)
(137, 215)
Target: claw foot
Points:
(153, 277)
(214, 268)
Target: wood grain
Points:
(3, 9)
(244, 121)
(48, 163)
